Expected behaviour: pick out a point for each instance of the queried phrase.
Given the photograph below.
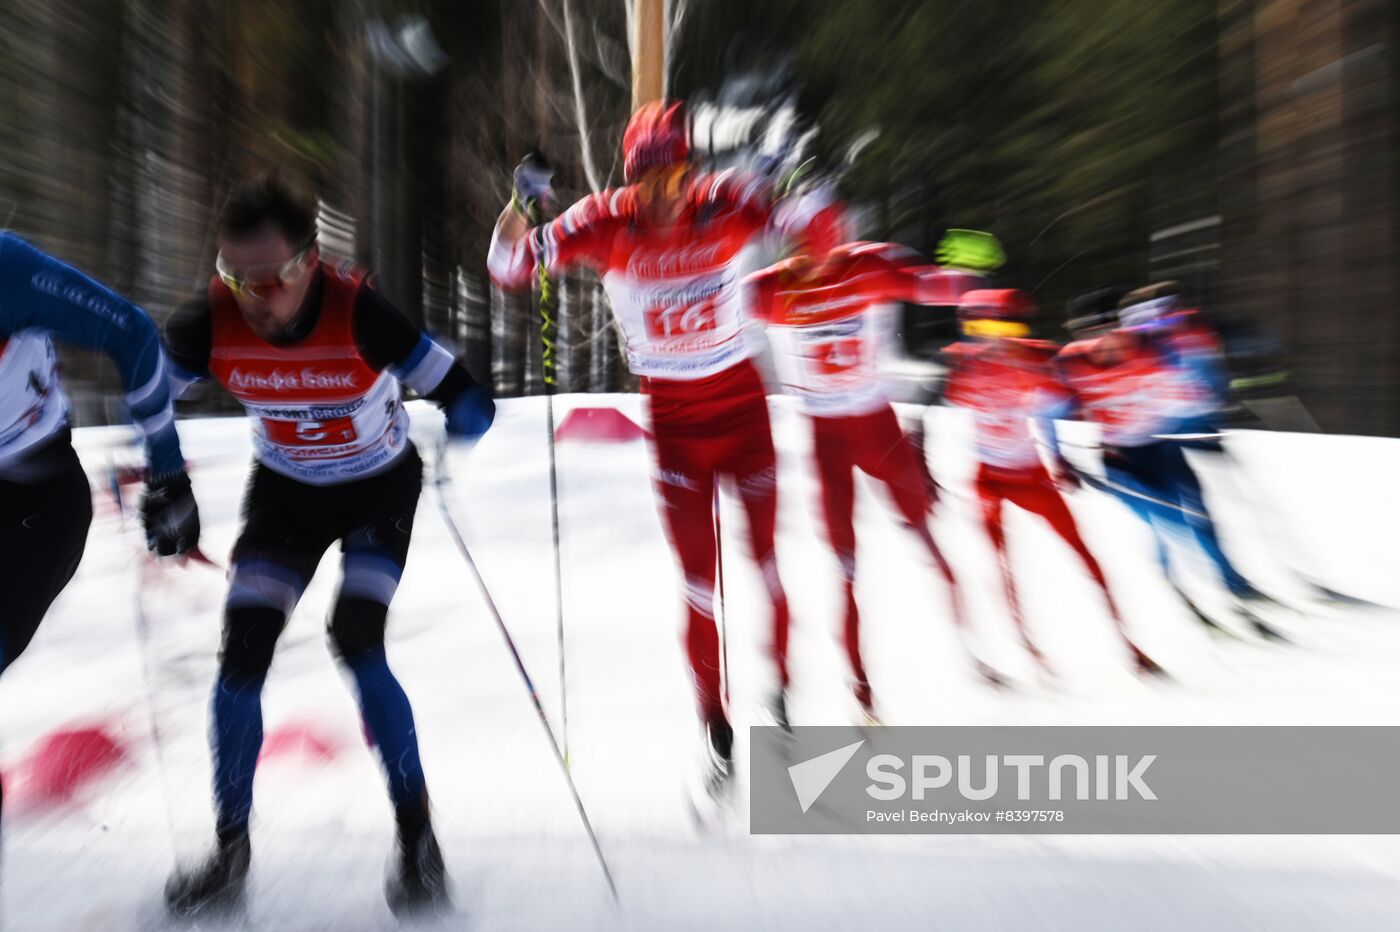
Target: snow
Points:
(518, 857)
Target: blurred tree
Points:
(1104, 141)
(1072, 130)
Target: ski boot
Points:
(215, 885)
(419, 881)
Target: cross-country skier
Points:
(1139, 392)
(671, 247)
(1160, 311)
(819, 307)
(317, 357)
(45, 502)
(1007, 381)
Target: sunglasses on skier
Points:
(258, 282)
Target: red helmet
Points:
(996, 304)
(656, 135)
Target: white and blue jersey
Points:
(42, 300)
(1186, 339)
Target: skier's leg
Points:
(889, 456)
(1187, 488)
(752, 463)
(374, 554)
(263, 591)
(917, 439)
(831, 451)
(992, 492)
(884, 453)
(1126, 477)
(261, 595)
(43, 532)
(287, 526)
(285, 532)
(1044, 499)
(375, 550)
(1133, 480)
(685, 498)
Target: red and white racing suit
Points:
(826, 341)
(1006, 385)
(675, 291)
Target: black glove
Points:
(170, 515)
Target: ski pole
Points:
(1116, 488)
(1104, 484)
(439, 481)
(547, 305)
(143, 650)
(143, 640)
(719, 575)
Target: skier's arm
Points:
(1045, 422)
(387, 340)
(1053, 405)
(579, 236)
(897, 274)
(189, 337)
(1206, 361)
(940, 286)
(38, 292)
(758, 295)
(510, 259)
